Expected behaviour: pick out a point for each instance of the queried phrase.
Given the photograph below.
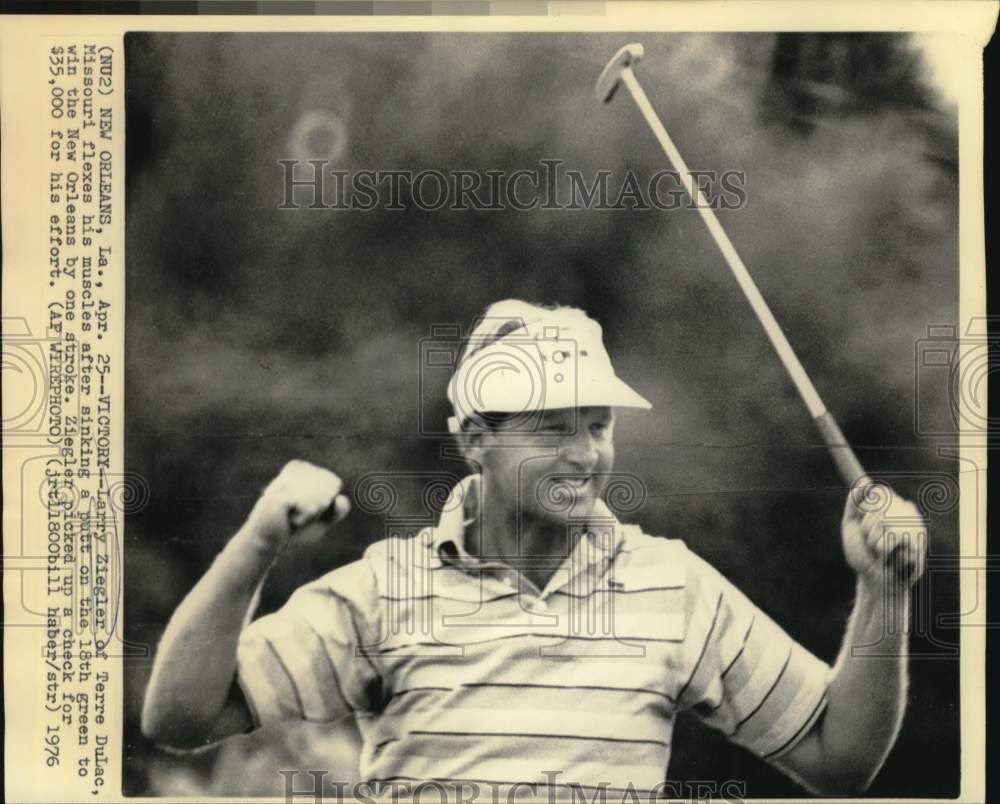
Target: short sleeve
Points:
(751, 680)
(303, 662)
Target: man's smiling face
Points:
(556, 472)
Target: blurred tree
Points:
(833, 75)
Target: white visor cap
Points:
(554, 359)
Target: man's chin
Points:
(581, 508)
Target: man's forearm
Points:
(867, 694)
(196, 659)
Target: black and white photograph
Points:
(543, 415)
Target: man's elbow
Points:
(163, 726)
(830, 774)
(158, 728)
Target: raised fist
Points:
(885, 536)
(302, 496)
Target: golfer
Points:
(531, 638)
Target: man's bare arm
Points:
(846, 748)
(191, 700)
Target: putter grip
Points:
(850, 468)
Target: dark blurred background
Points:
(255, 334)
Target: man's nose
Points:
(580, 451)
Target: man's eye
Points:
(598, 428)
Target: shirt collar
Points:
(462, 507)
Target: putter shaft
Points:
(847, 463)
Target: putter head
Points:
(611, 76)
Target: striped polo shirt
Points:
(459, 669)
